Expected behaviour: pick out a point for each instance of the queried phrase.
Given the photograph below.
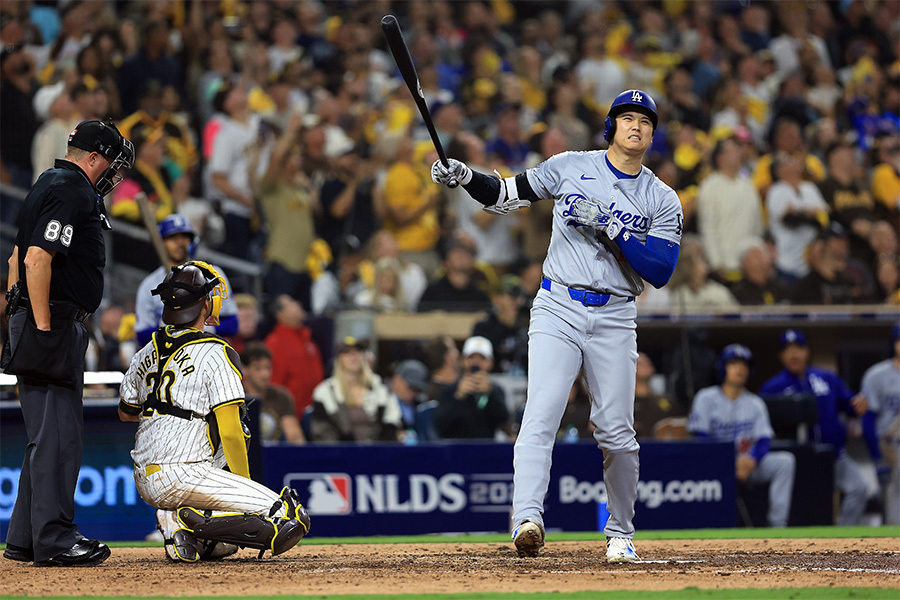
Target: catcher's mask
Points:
(184, 289)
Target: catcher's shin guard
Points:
(244, 529)
(180, 543)
(293, 510)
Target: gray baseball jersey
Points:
(744, 420)
(881, 387)
(578, 255)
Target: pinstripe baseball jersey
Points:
(581, 257)
(197, 375)
(744, 420)
(881, 387)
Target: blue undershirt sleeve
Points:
(760, 448)
(143, 336)
(227, 326)
(654, 262)
(870, 435)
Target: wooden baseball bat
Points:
(150, 223)
(397, 44)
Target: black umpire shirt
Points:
(63, 212)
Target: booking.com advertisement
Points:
(392, 489)
(387, 490)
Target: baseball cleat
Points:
(620, 550)
(529, 538)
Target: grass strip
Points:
(830, 532)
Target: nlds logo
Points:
(322, 493)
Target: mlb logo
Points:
(322, 493)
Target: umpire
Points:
(56, 272)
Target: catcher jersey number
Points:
(158, 389)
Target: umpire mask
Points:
(105, 139)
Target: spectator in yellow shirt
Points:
(411, 212)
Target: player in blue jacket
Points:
(833, 399)
(729, 412)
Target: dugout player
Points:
(730, 413)
(180, 241)
(615, 225)
(184, 388)
(834, 401)
(56, 269)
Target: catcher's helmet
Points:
(175, 224)
(630, 100)
(733, 352)
(185, 288)
(105, 139)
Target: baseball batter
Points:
(728, 412)
(615, 225)
(881, 388)
(184, 387)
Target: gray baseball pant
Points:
(563, 336)
(777, 469)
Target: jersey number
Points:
(55, 231)
(159, 388)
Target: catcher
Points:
(190, 454)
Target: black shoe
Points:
(18, 553)
(85, 553)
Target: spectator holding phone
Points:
(474, 407)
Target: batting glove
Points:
(456, 171)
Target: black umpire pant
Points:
(43, 518)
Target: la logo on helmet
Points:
(636, 96)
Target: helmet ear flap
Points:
(609, 129)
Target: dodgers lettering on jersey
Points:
(198, 377)
(881, 387)
(148, 308)
(743, 421)
(582, 257)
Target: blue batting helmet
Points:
(174, 224)
(630, 100)
(733, 352)
(792, 336)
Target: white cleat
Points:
(529, 538)
(620, 550)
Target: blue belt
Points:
(584, 296)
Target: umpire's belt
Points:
(65, 310)
(584, 296)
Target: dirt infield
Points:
(444, 568)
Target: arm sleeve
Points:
(870, 434)
(227, 327)
(234, 445)
(488, 189)
(760, 448)
(654, 262)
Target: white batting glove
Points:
(612, 226)
(594, 213)
(456, 171)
